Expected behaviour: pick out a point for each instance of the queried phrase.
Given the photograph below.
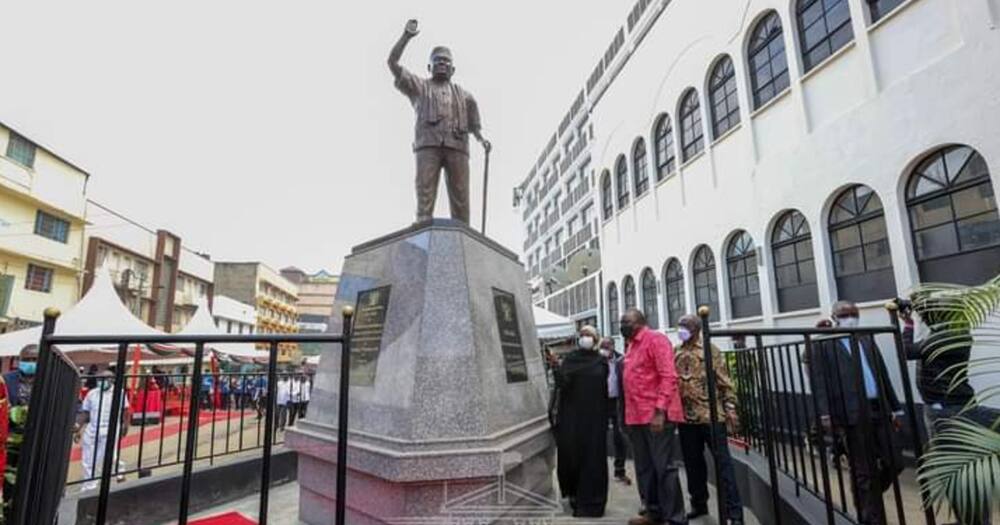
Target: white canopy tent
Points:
(553, 326)
(202, 323)
(99, 312)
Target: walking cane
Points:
(486, 184)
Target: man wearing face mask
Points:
(19, 383)
(616, 406)
(875, 460)
(652, 409)
(581, 430)
(94, 422)
(695, 432)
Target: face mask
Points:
(106, 385)
(27, 367)
(586, 342)
(627, 331)
(847, 322)
(684, 334)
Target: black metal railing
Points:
(776, 372)
(231, 413)
(187, 454)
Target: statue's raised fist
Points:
(411, 27)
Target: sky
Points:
(271, 131)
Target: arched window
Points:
(607, 199)
(665, 157)
(692, 136)
(768, 65)
(621, 181)
(859, 242)
(824, 27)
(649, 299)
(640, 167)
(613, 313)
(628, 291)
(794, 270)
(722, 97)
(953, 217)
(880, 8)
(673, 288)
(744, 285)
(706, 291)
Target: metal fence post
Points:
(111, 441)
(272, 392)
(768, 436)
(43, 373)
(911, 410)
(191, 443)
(713, 410)
(345, 383)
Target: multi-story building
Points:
(159, 279)
(769, 159)
(234, 317)
(768, 165)
(42, 209)
(275, 298)
(557, 200)
(316, 295)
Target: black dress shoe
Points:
(697, 513)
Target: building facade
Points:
(42, 210)
(771, 158)
(275, 298)
(234, 317)
(558, 199)
(160, 280)
(317, 292)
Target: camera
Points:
(903, 306)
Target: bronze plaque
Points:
(510, 336)
(366, 340)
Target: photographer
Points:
(944, 388)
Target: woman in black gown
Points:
(582, 427)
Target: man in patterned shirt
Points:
(695, 432)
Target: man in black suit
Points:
(863, 405)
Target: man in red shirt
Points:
(652, 410)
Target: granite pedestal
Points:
(445, 417)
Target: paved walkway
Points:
(623, 503)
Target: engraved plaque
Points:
(510, 336)
(366, 340)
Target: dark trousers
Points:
(875, 462)
(657, 476)
(430, 162)
(617, 437)
(694, 439)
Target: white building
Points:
(771, 157)
(232, 316)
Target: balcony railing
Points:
(549, 222)
(578, 239)
(574, 153)
(547, 186)
(576, 195)
(552, 258)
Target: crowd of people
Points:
(652, 395)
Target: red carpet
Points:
(153, 432)
(229, 518)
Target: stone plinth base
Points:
(447, 403)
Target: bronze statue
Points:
(446, 115)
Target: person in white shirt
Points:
(282, 397)
(306, 395)
(294, 400)
(93, 420)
